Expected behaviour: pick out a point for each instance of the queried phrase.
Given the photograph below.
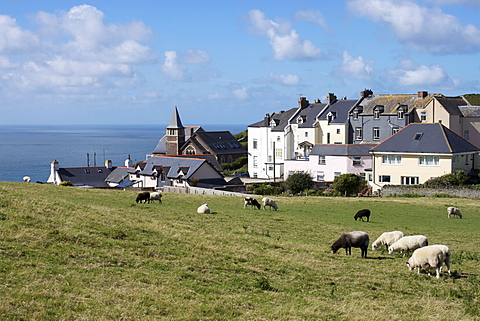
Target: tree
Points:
(348, 184)
(298, 182)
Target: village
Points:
(386, 139)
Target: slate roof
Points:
(470, 111)
(281, 119)
(342, 149)
(175, 122)
(452, 104)
(118, 174)
(218, 142)
(422, 138)
(340, 108)
(308, 114)
(86, 176)
(391, 102)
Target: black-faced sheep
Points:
(408, 244)
(269, 202)
(446, 254)
(455, 211)
(361, 214)
(143, 197)
(352, 239)
(155, 196)
(387, 239)
(427, 257)
(203, 209)
(252, 202)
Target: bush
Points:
(298, 182)
(240, 162)
(348, 184)
(66, 183)
(453, 179)
(264, 189)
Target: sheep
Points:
(143, 197)
(352, 239)
(427, 257)
(27, 179)
(155, 196)
(446, 254)
(408, 243)
(251, 201)
(203, 209)
(269, 202)
(387, 239)
(455, 211)
(361, 214)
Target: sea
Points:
(28, 150)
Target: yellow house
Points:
(420, 152)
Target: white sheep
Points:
(387, 239)
(408, 243)
(155, 196)
(446, 254)
(455, 211)
(427, 257)
(269, 202)
(203, 209)
(26, 179)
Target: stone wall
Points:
(392, 190)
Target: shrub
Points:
(298, 182)
(264, 189)
(348, 184)
(66, 183)
(453, 179)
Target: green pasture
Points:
(82, 254)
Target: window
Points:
(321, 160)
(338, 130)
(400, 113)
(278, 138)
(466, 135)
(370, 177)
(255, 175)
(320, 176)
(328, 138)
(429, 160)
(355, 114)
(336, 174)
(270, 168)
(357, 160)
(376, 133)
(392, 159)
(278, 153)
(270, 158)
(376, 114)
(395, 130)
(384, 178)
(358, 133)
(418, 136)
(409, 180)
(190, 150)
(306, 134)
(255, 144)
(255, 161)
(423, 116)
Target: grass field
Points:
(83, 254)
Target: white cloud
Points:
(193, 56)
(14, 39)
(425, 29)
(355, 67)
(285, 41)
(240, 93)
(172, 67)
(178, 66)
(311, 16)
(285, 79)
(410, 74)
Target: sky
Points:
(224, 62)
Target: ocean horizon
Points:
(28, 150)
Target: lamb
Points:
(427, 257)
(269, 202)
(387, 239)
(408, 243)
(143, 197)
(155, 196)
(352, 239)
(251, 201)
(361, 214)
(203, 209)
(446, 254)
(455, 211)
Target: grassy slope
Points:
(73, 254)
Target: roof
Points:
(470, 111)
(339, 109)
(86, 176)
(391, 102)
(281, 119)
(218, 142)
(118, 174)
(308, 114)
(174, 165)
(175, 122)
(342, 149)
(452, 104)
(161, 147)
(422, 138)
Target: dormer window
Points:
(377, 111)
(400, 113)
(301, 119)
(273, 123)
(330, 116)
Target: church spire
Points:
(175, 135)
(175, 122)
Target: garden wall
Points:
(392, 190)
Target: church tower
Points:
(175, 135)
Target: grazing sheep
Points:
(408, 243)
(352, 239)
(269, 202)
(387, 239)
(26, 179)
(155, 196)
(251, 201)
(203, 209)
(143, 197)
(361, 214)
(455, 211)
(427, 257)
(446, 254)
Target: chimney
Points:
(267, 120)
(128, 162)
(422, 94)
(303, 102)
(366, 93)
(108, 164)
(331, 98)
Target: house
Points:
(419, 152)
(327, 161)
(90, 176)
(182, 140)
(159, 171)
(376, 117)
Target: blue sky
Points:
(224, 62)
